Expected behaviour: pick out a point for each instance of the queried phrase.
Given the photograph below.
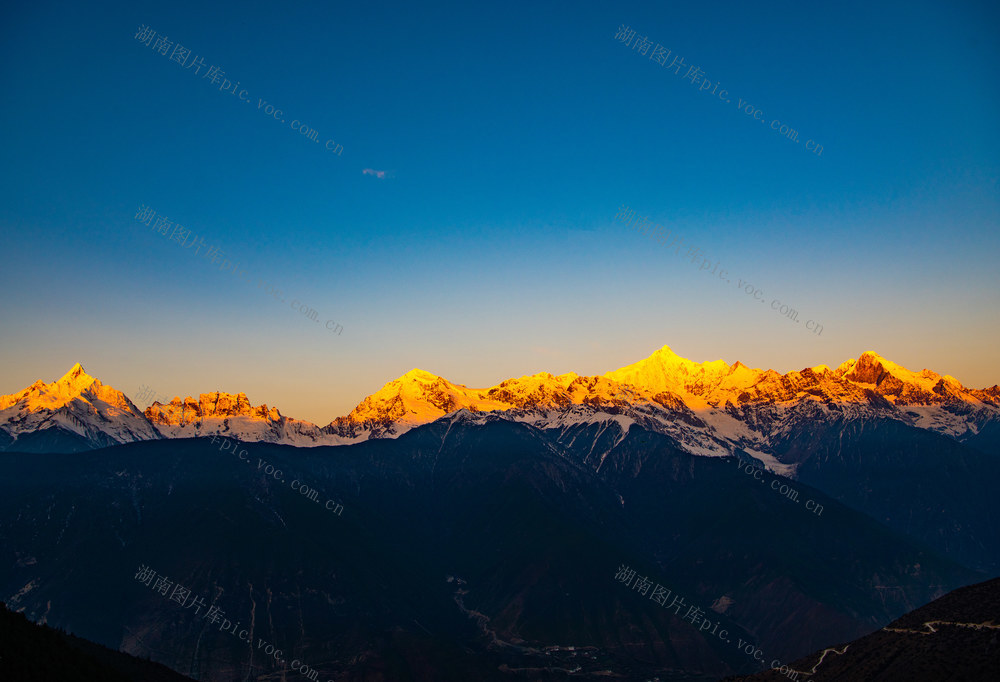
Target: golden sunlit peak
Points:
(667, 356)
(871, 355)
(74, 372)
(74, 381)
(417, 373)
(871, 359)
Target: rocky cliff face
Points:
(233, 416)
(209, 405)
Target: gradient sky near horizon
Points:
(507, 134)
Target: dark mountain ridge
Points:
(955, 637)
(464, 551)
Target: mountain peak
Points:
(75, 370)
(872, 356)
(417, 374)
(76, 375)
(664, 370)
(72, 384)
(667, 354)
(77, 404)
(894, 379)
(869, 368)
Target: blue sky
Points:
(510, 134)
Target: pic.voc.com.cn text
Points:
(177, 233)
(695, 254)
(214, 74)
(659, 55)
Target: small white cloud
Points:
(370, 171)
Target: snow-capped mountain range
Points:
(709, 408)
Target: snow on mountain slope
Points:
(78, 404)
(233, 416)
